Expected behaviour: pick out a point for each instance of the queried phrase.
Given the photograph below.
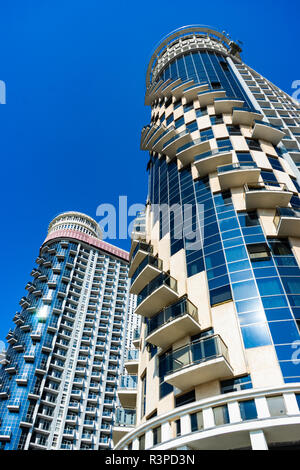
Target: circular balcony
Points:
(253, 418)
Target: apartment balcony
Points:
(136, 338)
(187, 153)
(245, 116)
(71, 419)
(158, 143)
(36, 335)
(173, 323)
(265, 131)
(266, 196)
(197, 363)
(195, 90)
(131, 362)
(149, 268)
(287, 222)
(29, 356)
(124, 423)
(5, 434)
(25, 327)
(22, 379)
(127, 391)
(179, 87)
(11, 369)
(238, 174)
(14, 406)
(153, 135)
(4, 392)
(170, 147)
(208, 162)
(159, 293)
(225, 105)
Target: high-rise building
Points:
(65, 355)
(216, 272)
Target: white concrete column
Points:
(258, 440)
(291, 404)
(234, 412)
(262, 407)
(149, 439)
(185, 424)
(135, 444)
(208, 418)
(166, 432)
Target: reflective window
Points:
(256, 335)
(248, 410)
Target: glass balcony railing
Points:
(148, 261)
(178, 309)
(162, 279)
(142, 246)
(174, 138)
(285, 212)
(132, 355)
(136, 334)
(236, 166)
(128, 381)
(194, 353)
(125, 417)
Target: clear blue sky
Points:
(75, 74)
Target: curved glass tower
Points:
(59, 377)
(217, 269)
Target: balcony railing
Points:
(170, 313)
(160, 280)
(194, 353)
(128, 381)
(148, 261)
(125, 417)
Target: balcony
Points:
(238, 174)
(245, 116)
(22, 379)
(132, 361)
(209, 161)
(159, 142)
(173, 323)
(149, 268)
(225, 105)
(265, 131)
(177, 90)
(287, 222)
(5, 434)
(197, 363)
(159, 293)
(136, 338)
(124, 423)
(189, 151)
(192, 92)
(266, 196)
(208, 97)
(127, 391)
(14, 406)
(170, 147)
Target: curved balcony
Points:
(140, 251)
(266, 196)
(149, 268)
(131, 362)
(208, 162)
(172, 323)
(245, 116)
(127, 391)
(177, 91)
(124, 423)
(159, 293)
(287, 222)
(198, 362)
(192, 92)
(208, 97)
(158, 143)
(225, 105)
(265, 131)
(166, 90)
(187, 152)
(170, 147)
(238, 174)
(202, 428)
